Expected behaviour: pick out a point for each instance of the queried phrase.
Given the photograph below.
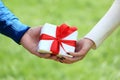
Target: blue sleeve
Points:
(10, 24)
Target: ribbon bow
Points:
(61, 32)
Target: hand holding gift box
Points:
(57, 40)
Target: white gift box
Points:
(45, 44)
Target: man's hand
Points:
(30, 42)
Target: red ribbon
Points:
(61, 32)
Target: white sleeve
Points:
(109, 22)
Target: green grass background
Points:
(16, 63)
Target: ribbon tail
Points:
(55, 47)
(63, 47)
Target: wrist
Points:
(14, 31)
(90, 42)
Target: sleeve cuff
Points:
(10, 24)
(15, 30)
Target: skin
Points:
(82, 48)
(30, 42)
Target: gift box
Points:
(57, 40)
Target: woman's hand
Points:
(82, 48)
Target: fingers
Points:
(82, 52)
(69, 60)
(76, 56)
(42, 55)
(82, 49)
(47, 56)
(64, 59)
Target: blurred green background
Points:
(102, 64)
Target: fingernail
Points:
(68, 53)
(53, 55)
(61, 61)
(62, 58)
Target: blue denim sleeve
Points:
(10, 24)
